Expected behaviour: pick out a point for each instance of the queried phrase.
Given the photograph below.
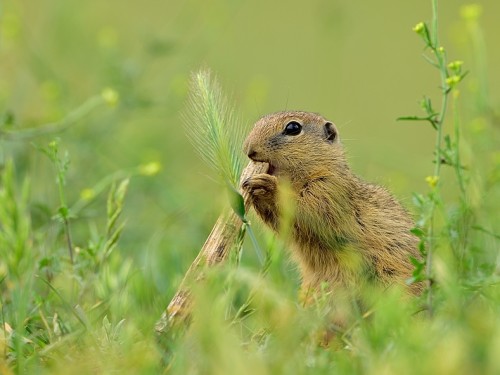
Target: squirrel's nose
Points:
(250, 149)
(252, 154)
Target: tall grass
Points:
(214, 127)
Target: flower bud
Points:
(419, 28)
(150, 169)
(455, 65)
(432, 181)
(110, 96)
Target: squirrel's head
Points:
(296, 145)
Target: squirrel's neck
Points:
(325, 168)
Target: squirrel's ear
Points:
(331, 132)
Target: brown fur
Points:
(346, 231)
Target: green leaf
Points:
(255, 243)
(63, 211)
(44, 262)
(418, 200)
(481, 229)
(430, 119)
(412, 118)
(237, 202)
(7, 119)
(416, 262)
(421, 247)
(418, 232)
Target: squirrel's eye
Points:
(292, 128)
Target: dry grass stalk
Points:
(215, 251)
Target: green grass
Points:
(104, 201)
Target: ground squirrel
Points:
(345, 231)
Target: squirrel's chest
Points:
(337, 259)
(345, 265)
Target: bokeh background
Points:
(357, 63)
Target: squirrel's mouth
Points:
(271, 170)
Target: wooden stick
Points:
(215, 251)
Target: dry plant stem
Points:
(215, 251)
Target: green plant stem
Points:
(68, 239)
(62, 199)
(441, 65)
(457, 161)
(2, 314)
(435, 38)
(55, 127)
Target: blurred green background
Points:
(357, 63)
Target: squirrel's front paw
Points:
(261, 185)
(262, 189)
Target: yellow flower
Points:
(419, 27)
(455, 65)
(53, 145)
(110, 96)
(150, 169)
(453, 80)
(432, 181)
(471, 12)
(87, 194)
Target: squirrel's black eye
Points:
(292, 128)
